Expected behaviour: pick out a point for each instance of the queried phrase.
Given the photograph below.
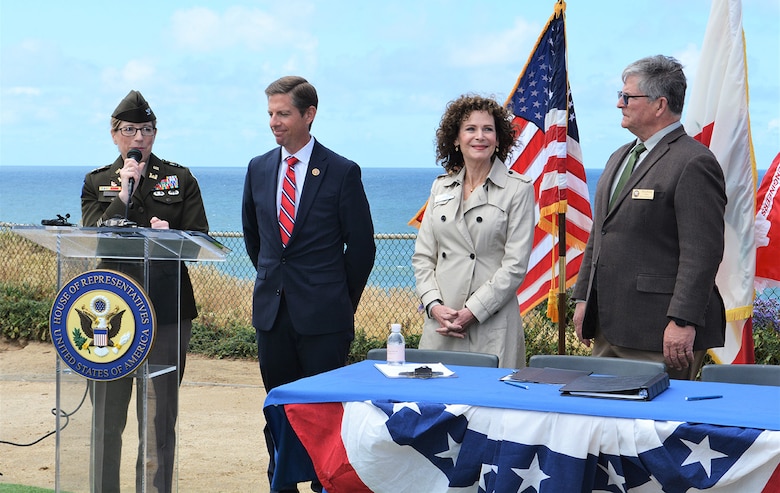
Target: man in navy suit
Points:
(309, 234)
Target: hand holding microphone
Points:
(132, 169)
(135, 154)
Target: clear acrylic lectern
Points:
(80, 252)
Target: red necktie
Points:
(287, 209)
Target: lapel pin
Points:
(315, 172)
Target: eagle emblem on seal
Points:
(99, 322)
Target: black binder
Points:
(641, 387)
(546, 375)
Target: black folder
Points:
(641, 387)
(546, 375)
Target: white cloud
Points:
(496, 48)
(23, 91)
(689, 57)
(207, 31)
(134, 74)
(137, 71)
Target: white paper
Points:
(394, 371)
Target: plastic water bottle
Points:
(396, 346)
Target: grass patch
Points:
(18, 488)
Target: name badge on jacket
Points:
(642, 194)
(442, 198)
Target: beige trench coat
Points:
(475, 254)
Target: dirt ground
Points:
(221, 446)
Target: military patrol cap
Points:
(134, 109)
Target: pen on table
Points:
(515, 384)
(703, 397)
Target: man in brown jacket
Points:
(646, 289)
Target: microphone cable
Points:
(63, 414)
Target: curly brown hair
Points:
(458, 111)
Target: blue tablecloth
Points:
(750, 406)
(359, 431)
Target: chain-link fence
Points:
(388, 298)
(224, 289)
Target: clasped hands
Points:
(452, 323)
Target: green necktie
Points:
(632, 158)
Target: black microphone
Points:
(132, 154)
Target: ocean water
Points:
(29, 194)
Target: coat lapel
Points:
(271, 183)
(610, 173)
(658, 151)
(454, 185)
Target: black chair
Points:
(598, 365)
(752, 374)
(462, 358)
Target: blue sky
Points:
(384, 71)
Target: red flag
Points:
(718, 117)
(768, 229)
(549, 153)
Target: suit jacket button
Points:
(443, 254)
(472, 256)
(479, 219)
(443, 218)
(278, 292)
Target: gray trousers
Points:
(111, 401)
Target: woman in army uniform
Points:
(164, 195)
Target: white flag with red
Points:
(718, 117)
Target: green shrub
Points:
(24, 312)
(766, 331)
(541, 334)
(222, 339)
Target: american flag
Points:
(412, 447)
(549, 153)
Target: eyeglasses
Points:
(131, 131)
(626, 97)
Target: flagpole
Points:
(562, 283)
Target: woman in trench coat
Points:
(475, 238)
